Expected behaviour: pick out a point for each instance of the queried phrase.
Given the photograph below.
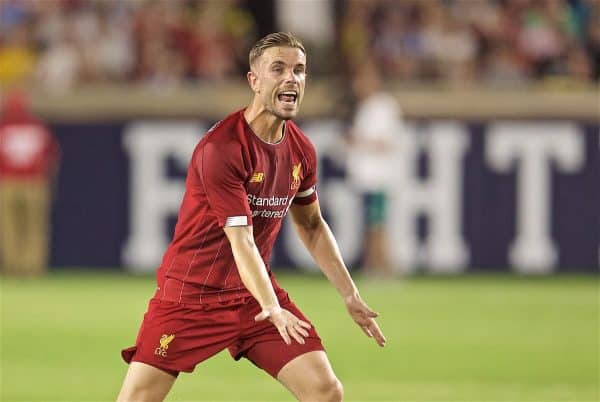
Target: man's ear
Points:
(253, 81)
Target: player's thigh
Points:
(145, 383)
(310, 376)
(262, 344)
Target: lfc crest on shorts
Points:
(164, 345)
(296, 176)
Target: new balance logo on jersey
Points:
(257, 177)
(164, 345)
(296, 176)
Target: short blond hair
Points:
(284, 39)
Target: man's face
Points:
(278, 78)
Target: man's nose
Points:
(291, 77)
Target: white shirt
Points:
(376, 130)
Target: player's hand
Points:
(286, 323)
(365, 318)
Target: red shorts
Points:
(175, 337)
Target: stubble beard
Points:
(273, 110)
(285, 118)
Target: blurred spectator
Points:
(592, 44)
(113, 51)
(354, 33)
(372, 151)
(60, 66)
(540, 39)
(28, 163)
(398, 43)
(450, 44)
(17, 57)
(159, 61)
(212, 58)
(502, 66)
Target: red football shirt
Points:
(27, 150)
(234, 179)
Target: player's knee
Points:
(328, 390)
(132, 393)
(139, 394)
(336, 391)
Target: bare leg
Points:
(310, 378)
(36, 223)
(144, 383)
(11, 252)
(376, 259)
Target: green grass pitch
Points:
(469, 338)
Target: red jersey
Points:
(27, 149)
(234, 179)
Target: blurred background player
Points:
(29, 157)
(372, 150)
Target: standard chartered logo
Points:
(267, 201)
(272, 201)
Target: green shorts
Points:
(376, 205)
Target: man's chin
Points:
(286, 114)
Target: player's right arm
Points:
(254, 276)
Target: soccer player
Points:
(215, 288)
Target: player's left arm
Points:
(320, 242)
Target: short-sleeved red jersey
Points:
(234, 179)
(28, 150)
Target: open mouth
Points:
(288, 97)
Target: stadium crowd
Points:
(59, 44)
(482, 41)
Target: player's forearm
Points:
(253, 272)
(321, 244)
